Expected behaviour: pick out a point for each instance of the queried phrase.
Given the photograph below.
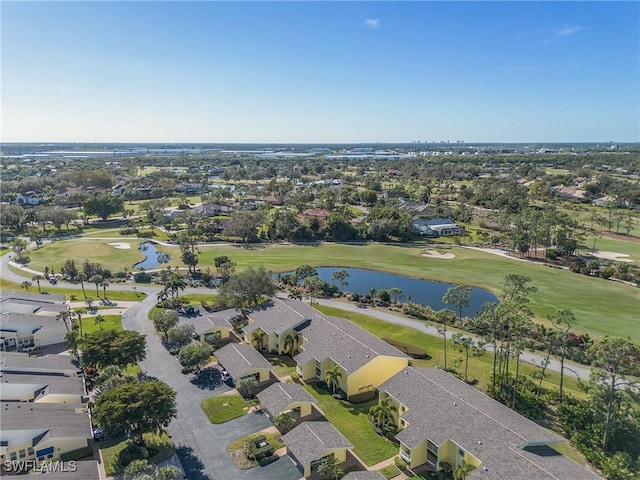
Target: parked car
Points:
(98, 434)
(225, 376)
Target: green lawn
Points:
(607, 244)
(479, 367)
(390, 471)
(353, 422)
(222, 408)
(111, 450)
(54, 255)
(283, 364)
(601, 307)
(111, 322)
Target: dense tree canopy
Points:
(112, 347)
(136, 408)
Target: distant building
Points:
(437, 227)
(31, 198)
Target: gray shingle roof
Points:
(54, 420)
(11, 383)
(279, 315)
(22, 362)
(441, 408)
(364, 475)
(345, 343)
(25, 323)
(26, 296)
(240, 359)
(280, 396)
(202, 323)
(85, 470)
(309, 441)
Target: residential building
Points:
(363, 360)
(118, 190)
(286, 398)
(32, 303)
(22, 363)
(364, 475)
(310, 443)
(318, 213)
(211, 210)
(442, 419)
(19, 387)
(437, 227)
(42, 431)
(31, 198)
(26, 332)
(221, 322)
(243, 361)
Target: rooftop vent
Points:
(455, 404)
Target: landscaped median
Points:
(222, 408)
(239, 450)
(117, 454)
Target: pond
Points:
(426, 292)
(154, 257)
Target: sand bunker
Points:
(121, 245)
(618, 257)
(437, 254)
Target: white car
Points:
(225, 376)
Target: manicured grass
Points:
(283, 364)
(591, 299)
(353, 422)
(390, 471)
(111, 322)
(195, 298)
(607, 244)
(222, 408)
(479, 367)
(54, 255)
(111, 450)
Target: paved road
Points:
(201, 446)
(571, 368)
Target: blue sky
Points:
(320, 71)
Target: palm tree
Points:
(284, 421)
(26, 285)
(37, 278)
(64, 316)
(257, 338)
(99, 321)
(97, 279)
(176, 283)
(104, 285)
(381, 413)
(463, 471)
(332, 377)
(290, 344)
(79, 313)
(81, 277)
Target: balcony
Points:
(406, 456)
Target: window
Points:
(13, 456)
(30, 451)
(461, 453)
(23, 453)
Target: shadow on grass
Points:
(193, 466)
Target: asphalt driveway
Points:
(201, 446)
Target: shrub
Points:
(142, 277)
(400, 463)
(552, 254)
(607, 273)
(362, 397)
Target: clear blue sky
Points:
(320, 72)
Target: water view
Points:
(426, 292)
(154, 257)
